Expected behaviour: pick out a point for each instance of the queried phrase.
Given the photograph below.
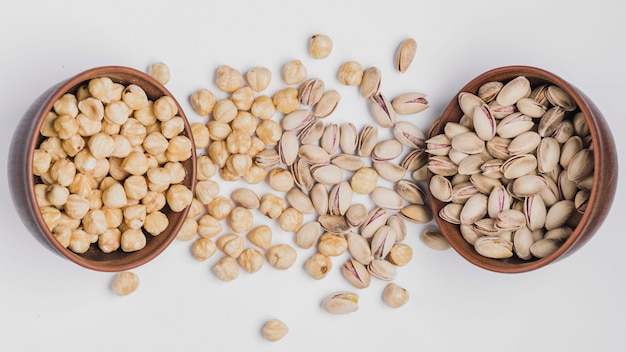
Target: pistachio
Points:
(302, 175)
(414, 160)
(438, 145)
(410, 191)
(376, 218)
(488, 91)
(484, 122)
(330, 138)
(300, 201)
(382, 241)
(382, 110)
(310, 91)
(440, 188)
(524, 143)
(359, 248)
(468, 102)
(355, 215)
(405, 54)
(370, 82)
(355, 273)
(319, 198)
(545, 247)
(451, 213)
(514, 90)
(368, 138)
(308, 234)
(514, 124)
(410, 103)
(493, 247)
(341, 303)
(348, 162)
(581, 165)
(474, 209)
(386, 198)
(327, 103)
(296, 120)
(548, 154)
(334, 224)
(434, 239)
(311, 132)
(327, 174)
(313, 154)
(288, 148)
(558, 97)
(409, 135)
(559, 213)
(419, 214)
(339, 198)
(389, 171)
(382, 269)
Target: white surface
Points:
(574, 305)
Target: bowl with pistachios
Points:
(104, 168)
(522, 169)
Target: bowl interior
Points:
(605, 172)
(94, 258)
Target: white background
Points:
(577, 304)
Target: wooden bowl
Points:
(605, 172)
(27, 138)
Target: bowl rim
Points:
(598, 131)
(130, 76)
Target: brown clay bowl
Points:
(27, 138)
(605, 173)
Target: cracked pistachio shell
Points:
(441, 165)
(311, 132)
(462, 191)
(493, 247)
(550, 121)
(510, 220)
(356, 273)
(564, 131)
(514, 90)
(387, 150)
(410, 191)
(439, 145)
(471, 165)
(382, 110)
(488, 91)
(405, 54)
(313, 154)
(514, 124)
(340, 198)
(484, 122)
(341, 303)
(531, 107)
(382, 269)
(368, 138)
(327, 104)
(356, 214)
(501, 111)
(359, 248)
(334, 224)
(302, 175)
(419, 214)
(384, 238)
(581, 165)
(451, 213)
(519, 165)
(409, 135)
(498, 147)
(376, 218)
(310, 91)
(483, 183)
(348, 162)
(296, 120)
(535, 212)
(414, 160)
(499, 201)
(330, 138)
(288, 148)
(557, 96)
(410, 103)
(550, 193)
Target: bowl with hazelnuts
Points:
(105, 168)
